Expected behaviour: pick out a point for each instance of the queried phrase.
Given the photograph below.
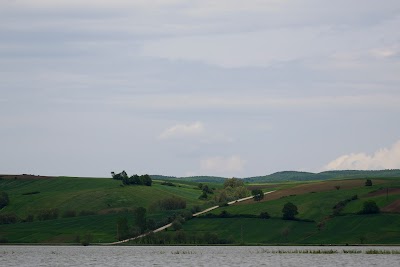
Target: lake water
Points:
(190, 256)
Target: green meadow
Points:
(98, 203)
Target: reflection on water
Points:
(194, 256)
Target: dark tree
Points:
(370, 207)
(122, 228)
(258, 194)
(289, 211)
(151, 224)
(140, 218)
(176, 225)
(368, 182)
(4, 200)
(146, 180)
(264, 215)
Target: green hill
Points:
(318, 221)
(87, 201)
(93, 206)
(309, 176)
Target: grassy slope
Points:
(382, 228)
(87, 194)
(98, 195)
(311, 206)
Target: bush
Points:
(368, 182)
(176, 225)
(172, 203)
(369, 207)
(233, 182)
(224, 214)
(257, 194)
(203, 196)
(168, 184)
(8, 218)
(289, 211)
(47, 214)
(195, 209)
(264, 215)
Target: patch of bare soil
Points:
(392, 207)
(383, 191)
(314, 188)
(260, 186)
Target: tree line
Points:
(132, 180)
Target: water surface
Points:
(190, 256)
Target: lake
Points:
(194, 256)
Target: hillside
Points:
(309, 176)
(80, 203)
(94, 207)
(322, 217)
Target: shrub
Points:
(172, 203)
(8, 218)
(224, 214)
(168, 184)
(195, 209)
(370, 207)
(233, 182)
(264, 215)
(289, 211)
(203, 196)
(257, 194)
(47, 214)
(368, 182)
(176, 225)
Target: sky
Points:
(183, 88)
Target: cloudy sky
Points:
(227, 88)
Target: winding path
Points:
(170, 224)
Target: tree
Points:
(233, 182)
(258, 194)
(122, 228)
(176, 225)
(264, 215)
(289, 211)
(146, 180)
(368, 182)
(140, 218)
(4, 200)
(370, 207)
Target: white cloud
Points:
(223, 164)
(183, 131)
(385, 158)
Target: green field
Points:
(352, 229)
(313, 208)
(109, 200)
(104, 197)
(91, 194)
